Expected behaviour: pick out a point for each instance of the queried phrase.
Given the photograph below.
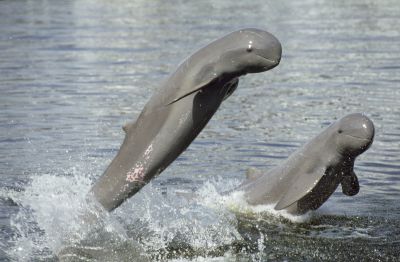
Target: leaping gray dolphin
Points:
(180, 109)
(311, 174)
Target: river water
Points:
(73, 72)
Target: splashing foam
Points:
(54, 213)
(236, 202)
(227, 257)
(161, 220)
(47, 207)
(55, 217)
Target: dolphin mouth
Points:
(272, 61)
(359, 138)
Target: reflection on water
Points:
(73, 72)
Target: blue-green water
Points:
(73, 72)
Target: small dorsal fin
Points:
(253, 173)
(129, 125)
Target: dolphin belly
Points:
(156, 140)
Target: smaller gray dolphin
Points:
(312, 173)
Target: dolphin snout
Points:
(358, 126)
(367, 130)
(272, 62)
(273, 53)
(356, 133)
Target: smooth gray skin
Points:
(184, 104)
(311, 174)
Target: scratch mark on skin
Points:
(125, 188)
(148, 151)
(184, 117)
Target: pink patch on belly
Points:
(135, 174)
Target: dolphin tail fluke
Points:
(301, 186)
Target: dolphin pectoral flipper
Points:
(232, 87)
(301, 186)
(350, 185)
(207, 75)
(183, 95)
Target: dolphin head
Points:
(248, 51)
(223, 61)
(354, 134)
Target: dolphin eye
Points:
(250, 46)
(340, 131)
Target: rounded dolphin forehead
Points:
(255, 33)
(356, 121)
(255, 37)
(355, 131)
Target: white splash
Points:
(47, 207)
(54, 213)
(164, 219)
(236, 202)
